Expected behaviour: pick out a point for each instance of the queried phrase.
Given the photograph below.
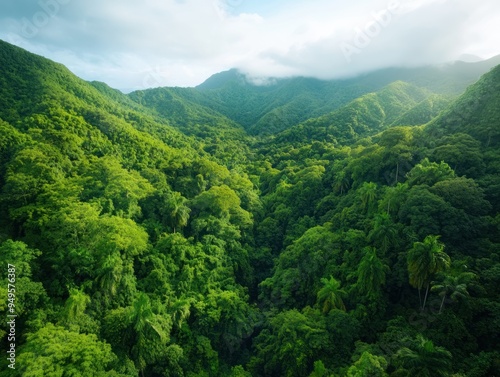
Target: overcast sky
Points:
(131, 44)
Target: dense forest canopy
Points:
(303, 228)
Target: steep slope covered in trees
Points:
(362, 117)
(117, 224)
(152, 236)
(220, 135)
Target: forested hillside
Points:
(278, 104)
(302, 228)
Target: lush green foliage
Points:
(153, 236)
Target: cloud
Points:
(405, 34)
(133, 45)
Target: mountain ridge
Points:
(363, 116)
(309, 97)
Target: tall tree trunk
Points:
(442, 302)
(425, 298)
(419, 298)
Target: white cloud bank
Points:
(134, 45)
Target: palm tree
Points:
(425, 359)
(453, 286)
(75, 306)
(371, 273)
(141, 316)
(393, 197)
(179, 211)
(331, 295)
(426, 259)
(384, 232)
(147, 329)
(342, 182)
(368, 192)
(110, 274)
(181, 310)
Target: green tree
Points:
(54, 351)
(398, 152)
(121, 188)
(295, 280)
(368, 365)
(227, 319)
(289, 344)
(384, 233)
(178, 211)
(138, 332)
(109, 274)
(239, 371)
(393, 198)
(330, 295)
(371, 273)
(424, 359)
(368, 193)
(342, 182)
(429, 173)
(20, 255)
(29, 170)
(180, 311)
(115, 234)
(319, 369)
(74, 307)
(461, 151)
(463, 193)
(453, 286)
(222, 203)
(151, 332)
(425, 259)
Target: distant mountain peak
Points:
(220, 79)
